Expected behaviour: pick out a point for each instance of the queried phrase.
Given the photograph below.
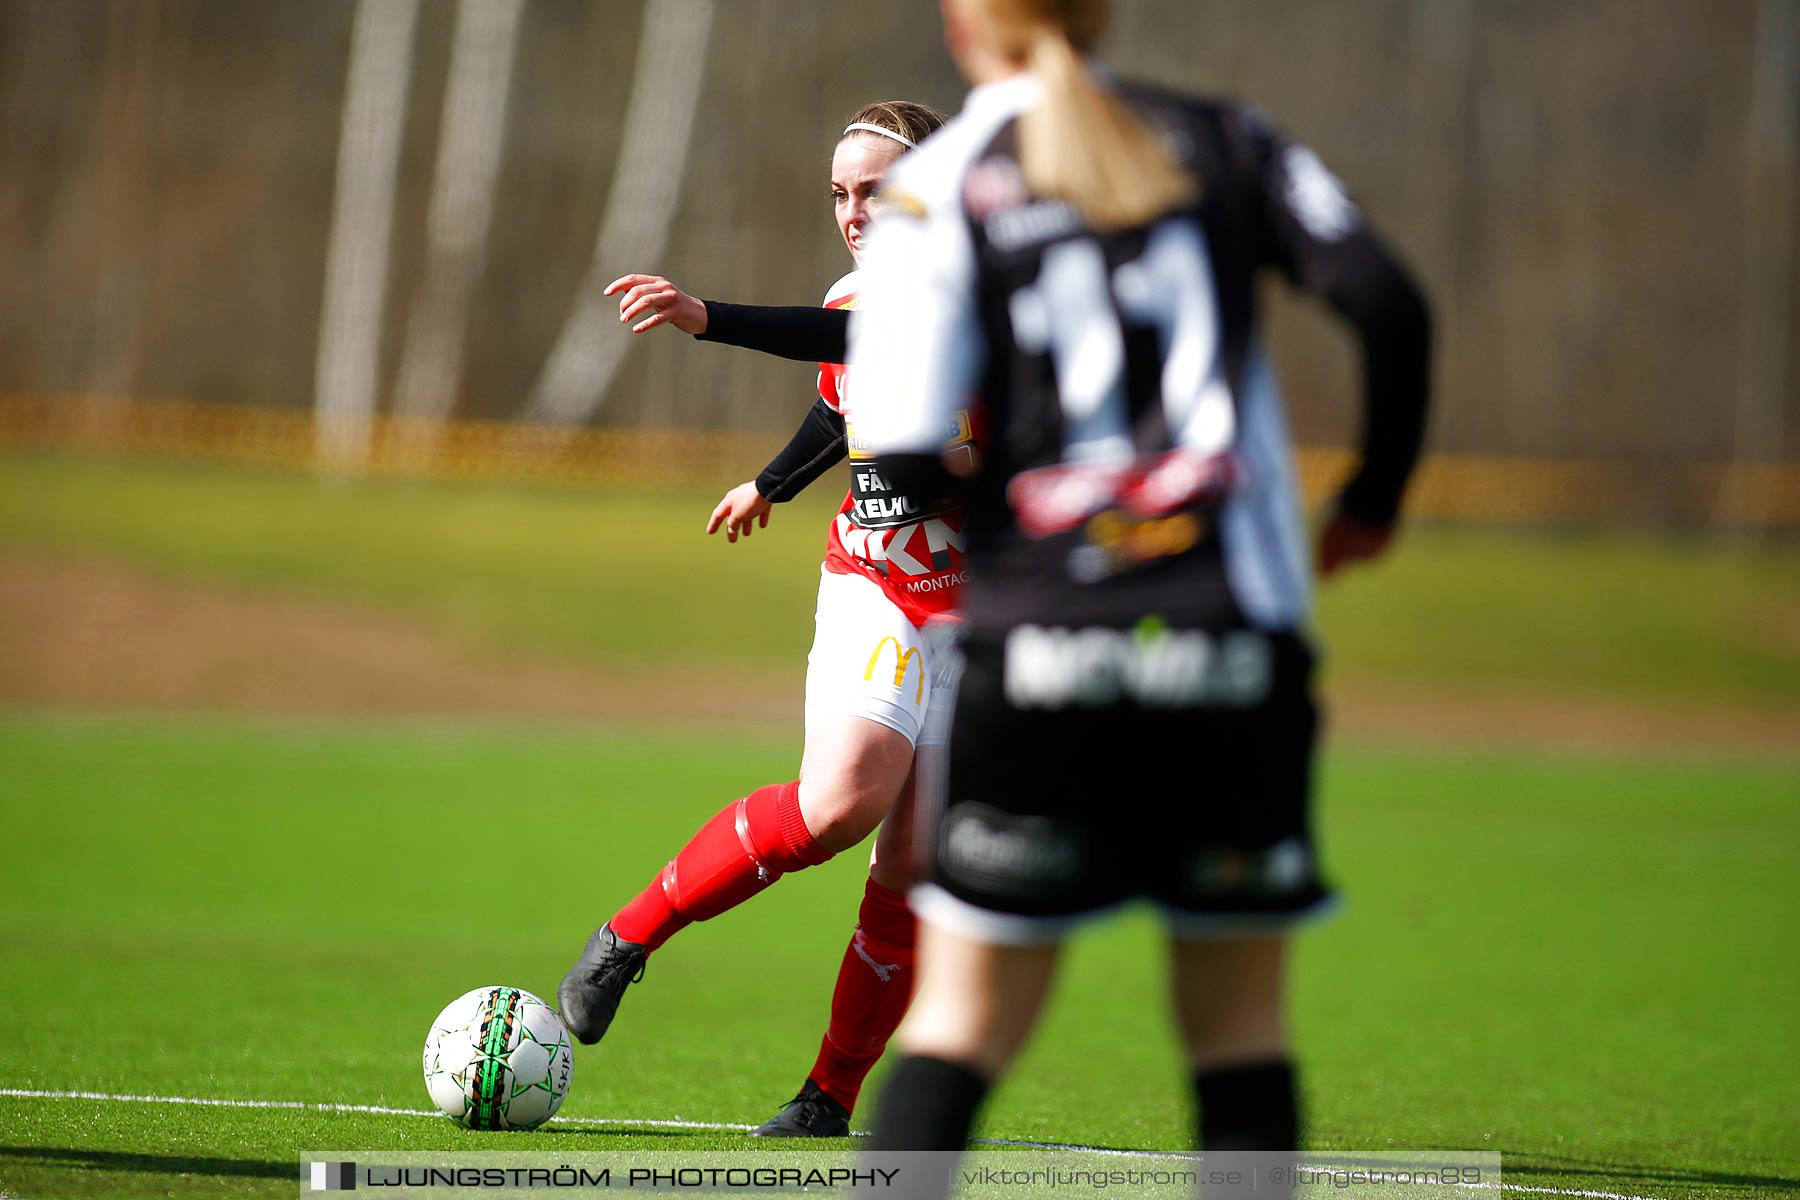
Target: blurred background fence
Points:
(316, 232)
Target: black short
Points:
(1129, 783)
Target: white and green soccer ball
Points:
(498, 1058)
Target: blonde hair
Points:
(1081, 144)
(912, 121)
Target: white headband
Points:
(868, 128)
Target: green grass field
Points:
(1584, 962)
(1586, 966)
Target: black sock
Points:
(1252, 1107)
(927, 1104)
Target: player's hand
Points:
(742, 510)
(1346, 540)
(657, 302)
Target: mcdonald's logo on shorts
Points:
(902, 660)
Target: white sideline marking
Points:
(1550, 1191)
(654, 1123)
(310, 1106)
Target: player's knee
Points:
(851, 779)
(896, 867)
(843, 808)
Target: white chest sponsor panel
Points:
(1160, 668)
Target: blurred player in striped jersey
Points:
(1135, 715)
(877, 683)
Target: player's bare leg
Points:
(874, 984)
(1228, 995)
(893, 857)
(1228, 999)
(852, 774)
(977, 1001)
(976, 1004)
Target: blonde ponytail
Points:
(1081, 143)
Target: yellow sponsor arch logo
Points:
(902, 660)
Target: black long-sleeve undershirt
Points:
(801, 333)
(1393, 324)
(1332, 253)
(816, 447)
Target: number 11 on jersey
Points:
(1070, 312)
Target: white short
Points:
(869, 661)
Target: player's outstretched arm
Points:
(743, 510)
(799, 332)
(802, 333)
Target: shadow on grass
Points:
(1540, 1166)
(168, 1164)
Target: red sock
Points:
(748, 845)
(874, 986)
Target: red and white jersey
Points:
(913, 553)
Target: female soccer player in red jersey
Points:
(877, 683)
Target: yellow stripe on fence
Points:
(398, 447)
(1447, 487)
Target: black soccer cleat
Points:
(591, 991)
(810, 1114)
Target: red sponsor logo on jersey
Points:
(1053, 499)
(919, 566)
